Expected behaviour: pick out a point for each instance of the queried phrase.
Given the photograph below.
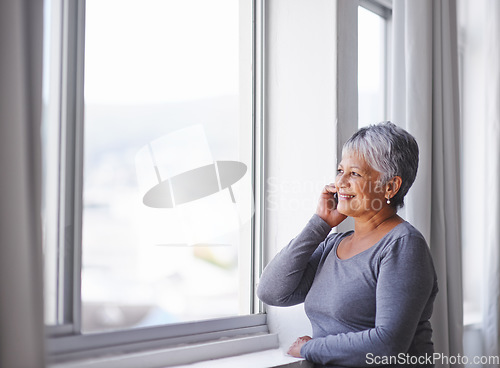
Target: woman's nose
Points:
(341, 181)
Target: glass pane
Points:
(371, 67)
(168, 162)
(50, 162)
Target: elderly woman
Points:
(369, 292)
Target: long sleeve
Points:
(288, 277)
(404, 293)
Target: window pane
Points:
(168, 162)
(50, 161)
(371, 67)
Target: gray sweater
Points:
(371, 308)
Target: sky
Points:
(151, 51)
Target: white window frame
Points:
(65, 342)
(383, 8)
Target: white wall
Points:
(300, 128)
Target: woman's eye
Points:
(355, 174)
(339, 171)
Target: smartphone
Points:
(336, 198)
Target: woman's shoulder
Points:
(406, 229)
(404, 238)
(409, 233)
(406, 253)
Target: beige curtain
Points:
(21, 287)
(425, 101)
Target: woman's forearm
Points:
(288, 277)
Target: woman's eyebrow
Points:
(353, 167)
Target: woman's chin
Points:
(348, 208)
(343, 209)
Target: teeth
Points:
(346, 196)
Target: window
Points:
(151, 172)
(472, 56)
(167, 195)
(373, 59)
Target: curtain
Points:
(21, 288)
(491, 70)
(425, 101)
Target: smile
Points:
(346, 196)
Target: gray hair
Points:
(390, 150)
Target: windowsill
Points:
(253, 351)
(269, 358)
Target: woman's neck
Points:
(384, 219)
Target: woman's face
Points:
(359, 190)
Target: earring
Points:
(388, 200)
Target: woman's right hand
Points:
(327, 206)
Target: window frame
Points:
(383, 8)
(380, 7)
(70, 100)
(65, 342)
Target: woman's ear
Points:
(393, 186)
